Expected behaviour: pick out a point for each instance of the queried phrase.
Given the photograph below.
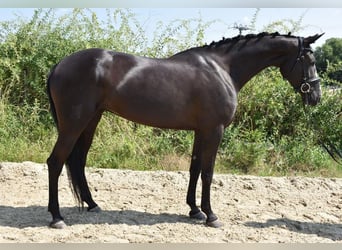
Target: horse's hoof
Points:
(198, 216)
(215, 224)
(96, 209)
(58, 224)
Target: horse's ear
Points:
(312, 39)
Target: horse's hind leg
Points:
(76, 164)
(69, 135)
(55, 163)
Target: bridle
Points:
(308, 84)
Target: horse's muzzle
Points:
(310, 91)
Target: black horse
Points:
(193, 90)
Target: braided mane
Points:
(231, 42)
(246, 37)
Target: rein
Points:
(332, 150)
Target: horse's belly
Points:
(156, 117)
(154, 111)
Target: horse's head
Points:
(301, 71)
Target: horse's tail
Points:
(75, 170)
(48, 90)
(73, 160)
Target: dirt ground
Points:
(150, 207)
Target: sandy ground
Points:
(150, 207)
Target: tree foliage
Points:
(329, 60)
(329, 53)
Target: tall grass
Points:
(271, 134)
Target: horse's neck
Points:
(245, 63)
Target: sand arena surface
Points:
(150, 207)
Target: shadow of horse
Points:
(33, 216)
(325, 230)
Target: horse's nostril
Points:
(315, 101)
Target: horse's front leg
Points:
(210, 144)
(195, 170)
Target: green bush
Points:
(273, 133)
